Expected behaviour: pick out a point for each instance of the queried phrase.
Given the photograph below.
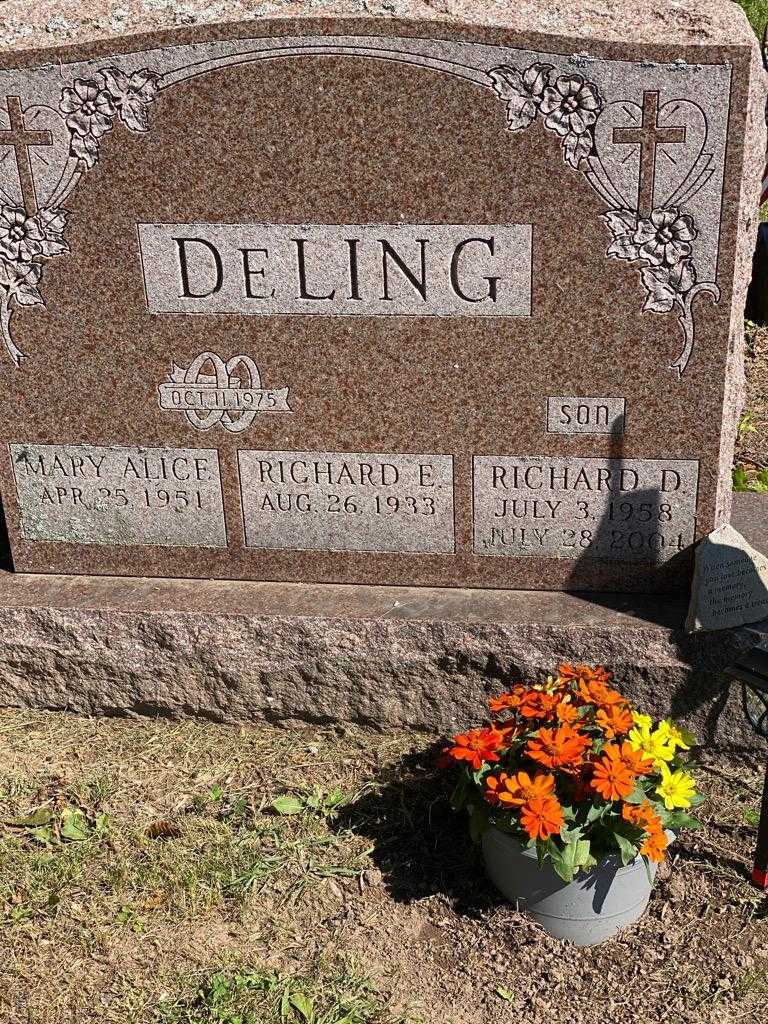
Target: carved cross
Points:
(21, 140)
(648, 136)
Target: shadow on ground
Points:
(420, 845)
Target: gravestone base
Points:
(418, 658)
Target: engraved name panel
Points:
(338, 269)
(586, 416)
(91, 494)
(639, 510)
(337, 501)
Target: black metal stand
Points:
(760, 872)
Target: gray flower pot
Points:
(591, 909)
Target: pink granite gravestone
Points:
(447, 298)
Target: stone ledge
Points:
(409, 657)
(397, 656)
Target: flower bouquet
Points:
(572, 773)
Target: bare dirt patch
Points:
(158, 884)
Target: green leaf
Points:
(595, 812)
(459, 795)
(638, 794)
(74, 825)
(40, 816)
(569, 861)
(42, 835)
(303, 1005)
(505, 993)
(334, 798)
(543, 847)
(288, 805)
(560, 865)
(478, 821)
(627, 848)
(285, 1004)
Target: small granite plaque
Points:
(89, 494)
(616, 510)
(586, 416)
(336, 501)
(730, 583)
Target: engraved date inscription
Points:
(638, 510)
(339, 501)
(89, 494)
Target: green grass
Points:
(757, 12)
(222, 848)
(339, 995)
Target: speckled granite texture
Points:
(403, 657)
(308, 135)
(414, 657)
(38, 23)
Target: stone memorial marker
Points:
(451, 297)
(730, 583)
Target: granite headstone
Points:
(451, 297)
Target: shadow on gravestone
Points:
(702, 689)
(6, 563)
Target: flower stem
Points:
(5, 327)
(688, 325)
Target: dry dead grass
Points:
(157, 884)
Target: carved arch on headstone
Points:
(92, 100)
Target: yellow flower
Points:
(655, 745)
(675, 735)
(676, 788)
(643, 721)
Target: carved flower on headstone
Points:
(26, 242)
(21, 237)
(522, 92)
(90, 114)
(24, 238)
(664, 238)
(90, 107)
(571, 107)
(132, 95)
(665, 285)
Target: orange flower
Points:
(655, 847)
(615, 720)
(582, 673)
(520, 788)
(538, 704)
(507, 701)
(563, 747)
(566, 712)
(477, 746)
(492, 785)
(596, 692)
(542, 817)
(645, 817)
(610, 776)
(636, 760)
